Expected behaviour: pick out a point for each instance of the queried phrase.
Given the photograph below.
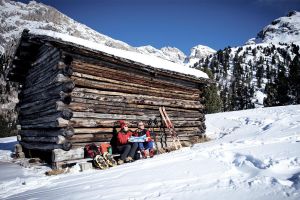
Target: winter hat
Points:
(122, 124)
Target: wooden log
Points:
(46, 146)
(44, 68)
(140, 100)
(51, 105)
(49, 80)
(64, 113)
(125, 76)
(73, 154)
(56, 87)
(46, 96)
(93, 123)
(137, 106)
(56, 123)
(130, 84)
(48, 76)
(66, 132)
(56, 139)
(45, 56)
(42, 61)
(123, 96)
(131, 90)
(45, 119)
(126, 117)
(94, 108)
(91, 137)
(121, 64)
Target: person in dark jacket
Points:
(125, 148)
(148, 144)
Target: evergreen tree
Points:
(282, 86)
(212, 99)
(259, 75)
(272, 95)
(294, 79)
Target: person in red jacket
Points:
(125, 148)
(148, 144)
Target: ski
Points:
(170, 126)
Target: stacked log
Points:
(104, 95)
(43, 101)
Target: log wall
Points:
(70, 99)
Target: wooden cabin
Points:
(71, 95)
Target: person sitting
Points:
(148, 144)
(126, 149)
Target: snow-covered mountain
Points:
(168, 53)
(255, 154)
(282, 30)
(16, 16)
(248, 74)
(199, 52)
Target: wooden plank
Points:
(73, 154)
(56, 139)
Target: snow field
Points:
(254, 154)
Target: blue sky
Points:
(179, 23)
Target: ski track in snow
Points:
(255, 154)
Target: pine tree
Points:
(272, 95)
(259, 75)
(282, 86)
(294, 79)
(212, 99)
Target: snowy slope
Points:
(255, 155)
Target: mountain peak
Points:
(282, 30)
(199, 52)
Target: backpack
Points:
(91, 150)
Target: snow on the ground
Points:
(254, 154)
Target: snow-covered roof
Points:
(148, 60)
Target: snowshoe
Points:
(109, 159)
(99, 162)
